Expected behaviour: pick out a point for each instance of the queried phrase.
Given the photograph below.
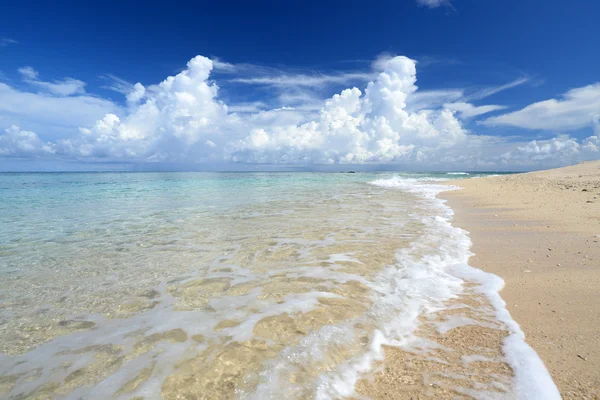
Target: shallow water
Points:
(229, 285)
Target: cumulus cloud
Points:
(64, 87)
(180, 111)
(554, 152)
(176, 119)
(577, 108)
(16, 142)
(591, 147)
(355, 127)
(388, 120)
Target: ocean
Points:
(247, 285)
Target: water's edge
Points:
(177, 285)
(532, 379)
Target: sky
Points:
(279, 85)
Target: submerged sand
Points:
(540, 231)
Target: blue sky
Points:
(499, 84)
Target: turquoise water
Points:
(39, 209)
(216, 285)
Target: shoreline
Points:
(452, 338)
(540, 232)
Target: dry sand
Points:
(541, 232)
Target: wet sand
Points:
(538, 231)
(541, 233)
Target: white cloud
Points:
(65, 87)
(299, 99)
(428, 99)
(29, 73)
(249, 107)
(554, 152)
(224, 66)
(492, 90)
(175, 114)
(134, 93)
(44, 111)
(116, 84)
(433, 3)
(7, 41)
(591, 147)
(578, 108)
(16, 142)
(252, 74)
(285, 80)
(182, 119)
(353, 127)
(467, 110)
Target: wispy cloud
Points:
(302, 100)
(222, 66)
(57, 114)
(467, 110)
(291, 89)
(492, 90)
(116, 84)
(28, 73)
(4, 41)
(247, 107)
(434, 3)
(426, 99)
(64, 87)
(425, 61)
(316, 80)
(577, 108)
(459, 100)
(253, 74)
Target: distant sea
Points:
(223, 285)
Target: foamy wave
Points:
(406, 183)
(430, 268)
(457, 173)
(429, 281)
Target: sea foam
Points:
(220, 271)
(441, 277)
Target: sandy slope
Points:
(541, 232)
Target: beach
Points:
(229, 285)
(540, 232)
(297, 285)
(399, 200)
